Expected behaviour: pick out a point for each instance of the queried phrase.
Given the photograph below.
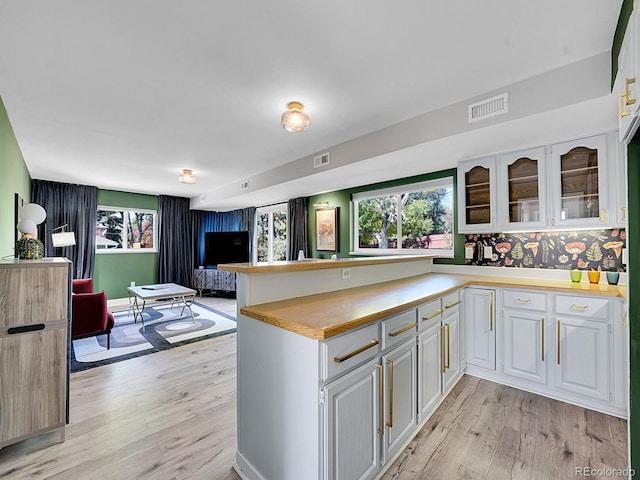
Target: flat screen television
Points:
(226, 247)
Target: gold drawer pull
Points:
(356, 352)
(524, 302)
(381, 391)
(543, 339)
(453, 304)
(580, 309)
(448, 329)
(558, 335)
(491, 311)
(402, 330)
(432, 315)
(442, 349)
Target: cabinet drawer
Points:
(429, 314)
(451, 303)
(525, 300)
(582, 306)
(398, 328)
(346, 351)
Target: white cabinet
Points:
(480, 327)
(400, 396)
(429, 370)
(524, 335)
(565, 185)
(451, 351)
(579, 183)
(522, 195)
(477, 195)
(626, 86)
(351, 424)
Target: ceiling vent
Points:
(488, 108)
(203, 198)
(321, 160)
(244, 185)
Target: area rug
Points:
(164, 328)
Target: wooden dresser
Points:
(34, 331)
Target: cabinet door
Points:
(579, 183)
(32, 383)
(524, 346)
(479, 322)
(429, 373)
(477, 197)
(523, 196)
(352, 414)
(582, 358)
(626, 85)
(400, 386)
(450, 342)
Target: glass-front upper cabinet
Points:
(522, 198)
(579, 182)
(477, 195)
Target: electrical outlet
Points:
(346, 273)
(488, 252)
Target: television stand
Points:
(213, 280)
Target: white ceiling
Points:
(123, 94)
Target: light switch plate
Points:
(488, 252)
(468, 253)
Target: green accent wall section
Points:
(621, 28)
(633, 269)
(114, 272)
(342, 200)
(15, 178)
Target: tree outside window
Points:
(271, 233)
(125, 230)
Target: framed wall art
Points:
(327, 229)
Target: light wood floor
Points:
(172, 415)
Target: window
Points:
(416, 218)
(126, 230)
(271, 233)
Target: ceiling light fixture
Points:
(187, 177)
(294, 118)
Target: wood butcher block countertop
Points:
(325, 315)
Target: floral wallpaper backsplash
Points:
(584, 250)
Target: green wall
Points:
(114, 272)
(15, 178)
(342, 200)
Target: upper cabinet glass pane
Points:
(579, 177)
(478, 196)
(524, 196)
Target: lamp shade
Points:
(32, 211)
(187, 177)
(26, 226)
(294, 118)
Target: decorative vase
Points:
(576, 275)
(29, 248)
(594, 276)
(613, 277)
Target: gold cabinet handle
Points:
(451, 305)
(627, 92)
(442, 350)
(543, 339)
(356, 352)
(523, 302)
(448, 329)
(432, 315)
(491, 311)
(624, 212)
(603, 215)
(390, 422)
(558, 342)
(506, 220)
(402, 330)
(381, 397)
(580, 309)
(623, 104)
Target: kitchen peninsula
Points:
(340, 362)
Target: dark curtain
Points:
(298, 215)
(175, 261)
(233, 221)
(73, 205)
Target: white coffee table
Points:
(176, 294)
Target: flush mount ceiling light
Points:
(187, 177)
(294, 118)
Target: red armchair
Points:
(90, 316)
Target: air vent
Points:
(488, 108)
(321, 160)
(203, 198)
(244, 185)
